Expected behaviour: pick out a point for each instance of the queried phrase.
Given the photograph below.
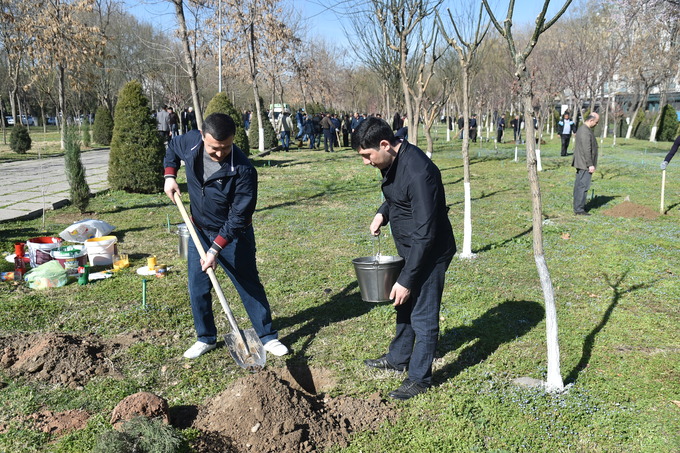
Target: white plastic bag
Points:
(86, 229)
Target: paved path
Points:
(29, 186)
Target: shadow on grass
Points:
(481, 197)
(671, 207)
(494, 245)
(502, 324)
(589, 343)
(598, 202)
(342, 306)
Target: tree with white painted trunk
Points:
(524, 83)
(467, 53)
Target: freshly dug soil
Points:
(55, 358)
(59, 422)
(263, 412)
(629, 210)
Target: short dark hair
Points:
(220, 126)
(371, 132)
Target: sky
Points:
(325, 18)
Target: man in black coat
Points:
(415, 207)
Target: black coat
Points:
(415, 207)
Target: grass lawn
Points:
(616, 280)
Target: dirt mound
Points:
(629, 210)
(142, 403)
(64, 359)
(263, 412)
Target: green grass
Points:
(616, 286)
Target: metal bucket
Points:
(377, 275)
(184, 235)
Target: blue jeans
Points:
(238, 261)
(415, 340)
(311, 141)
(285, 140)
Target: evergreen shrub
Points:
(668, 125)
(142, 435)
(87, 138)
(102, 129)
(271, 139)
(19, 139)
(75, 172)
(220, 103)
(136, 157)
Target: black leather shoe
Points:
(408, 389)
(382, 363)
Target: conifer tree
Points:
(102, 129)
(136, 158)
(668, 124)
(19, 139)
(75, 172)
(271, 140)
(87, 138)
(220, 103)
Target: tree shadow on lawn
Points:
(589, 343)
(502, 324)
(481, 197)
(342, 306)
(598, 202)
(497, 244)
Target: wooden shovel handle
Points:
(210, 271)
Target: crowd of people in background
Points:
(310, 130)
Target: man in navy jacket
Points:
(415, 207)
(222, 185)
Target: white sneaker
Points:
(276, 347)
(198, 349)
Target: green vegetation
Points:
(75, 172)
(87, 134)
(136, 160)
(271, 139)
(20, 139)
(141, 435)
(220, 103)
(616, 283)
(102, 129)
(668, 124)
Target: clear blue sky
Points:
(324, 19)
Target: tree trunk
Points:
(189, 62)
(62, 103)
(467, 213)
(256, 92)
(554, 378)
(410, 113)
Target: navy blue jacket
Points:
(415, 207)
(226, 201)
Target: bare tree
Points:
(466, 48)
(524, 83)
(189, 60)
(64, 41)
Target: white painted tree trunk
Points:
(554, 378)
(467, 224)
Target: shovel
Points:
(244, 346)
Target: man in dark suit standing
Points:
(585, 161)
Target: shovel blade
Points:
(249, 353)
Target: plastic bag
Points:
(48, 275)
(86, 229)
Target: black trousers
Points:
(565, 143)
